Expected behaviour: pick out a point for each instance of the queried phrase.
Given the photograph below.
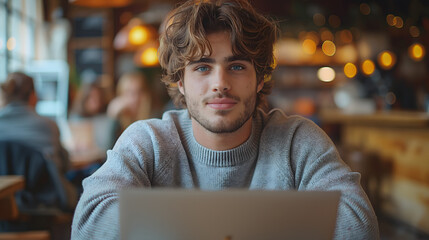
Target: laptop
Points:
(167, 214)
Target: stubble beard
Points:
(223, 126)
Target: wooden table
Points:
(84, 159)
(9, 185)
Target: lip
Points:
(222, 103)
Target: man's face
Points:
(220, 89)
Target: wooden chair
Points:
(9, 185)
(42, 204)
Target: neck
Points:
(221, 141)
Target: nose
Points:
(221, 81)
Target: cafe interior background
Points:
(359, 69)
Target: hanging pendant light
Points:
(134, 35)
(147, 55)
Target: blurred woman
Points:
(89, 122)
(133, 101)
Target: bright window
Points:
(18, 20)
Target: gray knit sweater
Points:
(282, 153)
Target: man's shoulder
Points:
(172, 120)
(23, 113)
(277, 123)
(277, 118)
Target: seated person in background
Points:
(89, 113)
(92, 132)
(218, 59)
(133, 101)
(19, 122)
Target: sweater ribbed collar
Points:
(227, 158)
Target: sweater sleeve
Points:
(318, 166)
(129, 164)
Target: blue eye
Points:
(237, 67)
(202, 69)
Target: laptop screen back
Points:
(229, 214)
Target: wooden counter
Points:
(401, 141)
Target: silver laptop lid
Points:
(162, 214)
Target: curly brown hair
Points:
(184, 39)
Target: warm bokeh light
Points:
(346, 36)
(138, 35)
(416, 51)
(309, 46)
(368, 67)
(313, 36)
(326, 74)
(319, 19)
(365, 9)
(328, 48)
(350, 70)
(414, 31)
(399, 23)
(386, 60)
(325, 34)
(149, 57)
(334, 21)
(346, 53)
(11, 44)
(390, 19)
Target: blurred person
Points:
(19, 122)
(92, 131)
(90, 107)
(90, 101)
(133, 101)
(217, 57)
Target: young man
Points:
(217, 57)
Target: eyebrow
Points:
(202, 60)
(227, 59)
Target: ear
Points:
(260, 86)
(181, 87)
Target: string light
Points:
(325, 34)
(365, 9)
(399, 23)
(319, 19)
(328, 48)
(309, 46)
(326, 74)
(414, 31)
(346, 36)
(350, 70)
(416, 51)
(368, 67)
(386, 60)
(390, 19)
(334, 21)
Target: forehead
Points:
(219, 45)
